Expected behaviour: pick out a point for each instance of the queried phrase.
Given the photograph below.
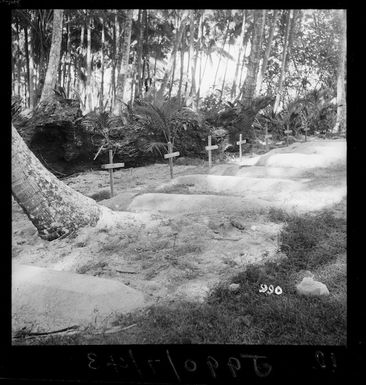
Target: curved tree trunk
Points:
(54, 60)
(53, 207)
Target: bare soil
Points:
(168, 256)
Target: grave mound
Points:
(45, 300)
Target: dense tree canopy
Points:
(212, 61)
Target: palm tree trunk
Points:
(223, 47)
(174, 61)
(224, 79)
(114, 64)
(190, 53)
(283, 67)
(247, 36)
(200, 63)
(203, 74)
(248, 89)
(19, 68)
(241, 40)
(195, 60)
(122, 77)
(80, 80)
(65, 56)
(54, 59)
(160, 93)
(181, 73)
(88, 66)
(101, 97)
(53, 207)
(264, 14)
(341, 81)
(29, 69)
(138, 86)
(268, 50)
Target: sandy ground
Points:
(178, 253)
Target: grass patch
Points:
(101, 195)
(311, 241)
(315, 242)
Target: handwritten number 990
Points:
(270, 289)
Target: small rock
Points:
(234, 222)
(312, 288)
(234, 287)
(253, 228)
(307, 273)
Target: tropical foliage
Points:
(153, 76)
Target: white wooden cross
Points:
(110, 166)
(240, 143)
(287, 132)
(209, 148)
(170, 155)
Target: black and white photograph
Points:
(178, 176)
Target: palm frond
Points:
(156, 146)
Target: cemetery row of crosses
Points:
(171, 148)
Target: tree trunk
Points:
(248, 89)
(101, 97)
(241, 40)
(224, 79)
(247, 36)
(190, 53)
(283, 66)
(88, 66)
(160, 93)
(80, 78)
(18, 61)
(138, 86)
(195, 60)
(69, 63)
(54, 59)
(122, 77)
(114, 64)
(341, 74)
(66, 58)
(181, 73)
(174, 58)
(201, 58)
(53, 207)
(260, 54)
(223, 47)
(295, 14)
(268, 50)
(202, 75)
(29, 69)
